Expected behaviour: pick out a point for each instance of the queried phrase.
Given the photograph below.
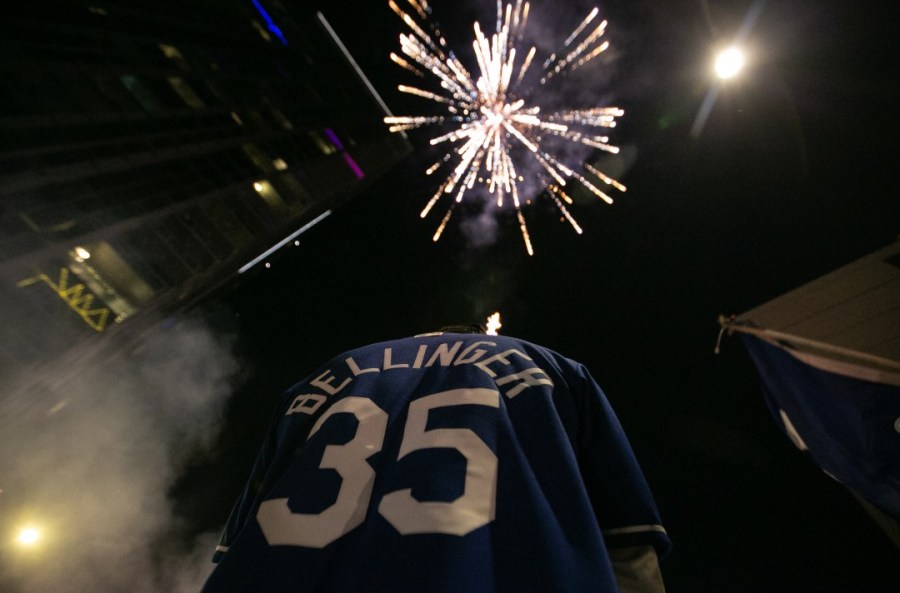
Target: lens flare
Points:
(493, 124)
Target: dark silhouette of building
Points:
(151, 151)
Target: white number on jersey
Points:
(474, 509)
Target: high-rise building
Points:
(149, 151)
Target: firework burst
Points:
(488, 120)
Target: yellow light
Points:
(258, 186)
(280, 164)
(82, 253)
(729, 62)
(29, 536)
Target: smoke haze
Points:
(89, 456)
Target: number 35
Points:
(474, 509)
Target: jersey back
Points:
(444, 462)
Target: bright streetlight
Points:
(29, 536)
(729, 62)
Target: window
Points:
(269, 194)
(261, 30)
(258, 157)
(187, 94)
(174, 54)
(321, 143)
(283, 121)
(141, 92)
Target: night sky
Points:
(793, 175)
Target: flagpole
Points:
(733, 325)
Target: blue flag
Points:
(845, 415)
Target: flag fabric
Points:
(440, 463)
(846, 416)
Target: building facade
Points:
(150, 151)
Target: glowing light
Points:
(270, 24)
(334, 139)
(494, 131)
(353, 166)
(284, 241)
(493, 324)
(82, 254)
(346, 155)
(29, 536)
(258, 186)
(729, 63)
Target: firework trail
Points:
(489, 124)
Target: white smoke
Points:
(480, 230)
(88, 457)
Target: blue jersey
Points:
(439, 463)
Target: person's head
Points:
(463, 328)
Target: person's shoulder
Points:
(543, 351)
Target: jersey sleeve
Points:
(244, 505)
(619, 493)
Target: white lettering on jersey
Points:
(526, 379)
(469, 357)
(354, 368)
(443, 354)
(500, 357)
(388, 365)
(324, 383)
(299, 404)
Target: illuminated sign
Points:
(76, 296)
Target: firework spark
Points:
(493, 324)
(489, 122)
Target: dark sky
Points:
(793, 175)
